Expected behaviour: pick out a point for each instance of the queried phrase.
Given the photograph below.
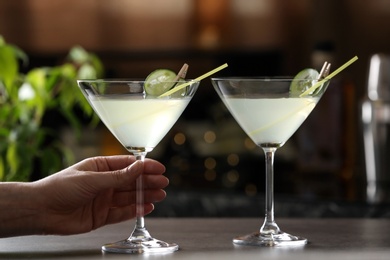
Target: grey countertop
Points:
(211, 238)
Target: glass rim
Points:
(263, 78)
(129, 80)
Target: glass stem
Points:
(140, 231)
(269, 227)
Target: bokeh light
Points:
(210, 163)
(209, 137)
(179, 138)
(233, 159)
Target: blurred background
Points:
(214, 169)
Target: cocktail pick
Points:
(197, 79)
(182, 73)
(331, 75)
(324, 70)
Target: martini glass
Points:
(139, 122)
(269, 110)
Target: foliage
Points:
(26, 145)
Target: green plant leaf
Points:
(2, 169)
(78, 55)
(68, 71)
(87, 71)
(9, 66)
(37, 79)
(24, 101)
(12, 157)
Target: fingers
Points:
(149, 182)
(119, 214)
(121, 199)
(155, 181)
(125, 179)
(153, 167)
(112, 163)
(153, 192)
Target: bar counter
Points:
(211, 238)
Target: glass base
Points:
(140, 246)
(280, 239)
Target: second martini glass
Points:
(139, 122)
(269, 110)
